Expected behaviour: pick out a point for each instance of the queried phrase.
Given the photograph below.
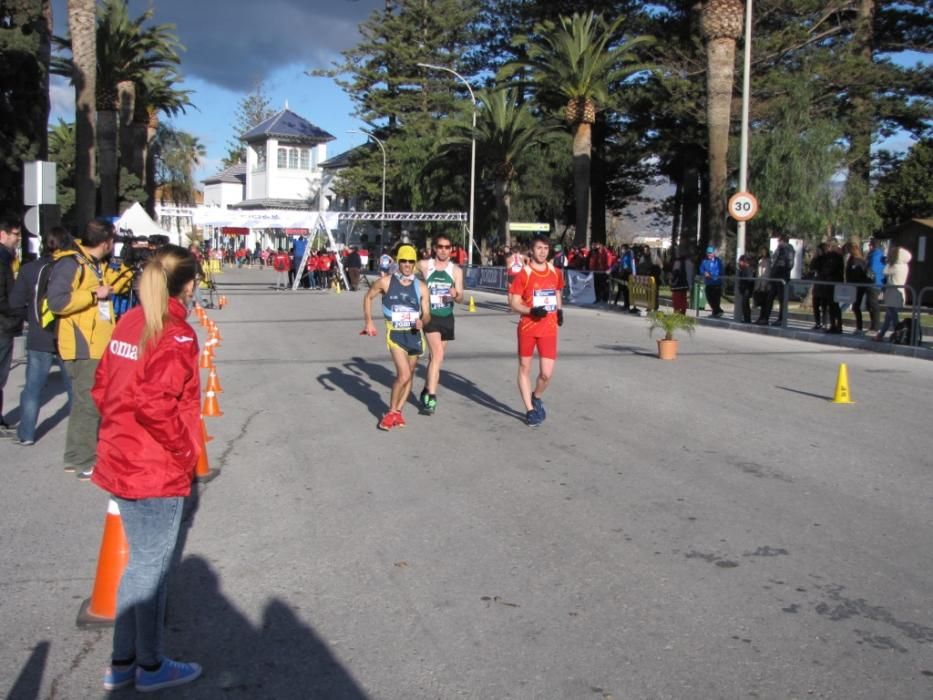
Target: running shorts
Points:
(443, 325)
(411, 343)
(547, 346)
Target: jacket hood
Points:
(903, 256)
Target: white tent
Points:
(135, 221)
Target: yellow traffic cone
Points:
(842, 386)
(472, 308)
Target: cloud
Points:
(236, 43)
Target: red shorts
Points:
(547, 346)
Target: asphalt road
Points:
(712, 527)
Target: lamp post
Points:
(472, 151)
(382, 223)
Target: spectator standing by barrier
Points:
(80, 294)
(782, 263)
(147, 389)
(11, 319)
(679, 286)
(354, 266)
(833, 271)
(821, 292)
(626, 268)
(857, 273)
(711, 270)
(281, 265)
(896, 272)
(746, 275)
(875, 263)
(762, 273)
(41, 352)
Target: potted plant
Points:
(669, 322)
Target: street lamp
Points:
(382, 223)
(472, 151)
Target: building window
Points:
(293, 158)
(305, 159)
(260, 160)
(283, 158)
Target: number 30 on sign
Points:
(743, 206)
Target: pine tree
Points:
(253, 109)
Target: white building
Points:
(282, 171)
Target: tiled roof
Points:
(342, 160)
(271, 203)
(287, 124)
(235, 174)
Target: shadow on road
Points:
(351, 384)
(459, 384)
(29, 681)
(822, 397)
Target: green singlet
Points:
(440, 284)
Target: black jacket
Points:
(11, 318)
(24, 298)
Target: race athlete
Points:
(445, 286)
(406, 309)
(535, 293)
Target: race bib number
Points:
(103, 311)
(544, 298)
(403, 318)
(438, 294)
(516, 268)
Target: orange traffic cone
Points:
(204, 436)
(207, 358)
(215, 332)
(211, 408)
(101, 608)
(213, 383)
(203, 472)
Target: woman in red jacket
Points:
(147, 389)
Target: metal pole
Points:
(382, 223)
(472, 152)
(743, 149)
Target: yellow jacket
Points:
(84, 324)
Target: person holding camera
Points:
(535, 293)
(80, 294)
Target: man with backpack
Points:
(80, 294)
(30, 294)
(782, 263)
(11, 319)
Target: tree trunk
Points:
(690, 183)
(862, 119)
(82, 27)
(503, 210)
(720, 73)
(598, 182)
(107, 151)
(150, 185)
(582, 150)
(678, 213)
(44, 58)
(126, 97)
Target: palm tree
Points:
(580, 61)
(127, 52)
(176, 154)
(81, 23)
(505, 130)
(721, 23)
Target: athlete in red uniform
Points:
(535, 293)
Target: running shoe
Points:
(538, 405)
(428, 406)
(170, 674)
(119, 676)
(533, 418)
(389, 420)
(399, 421)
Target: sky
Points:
(232, 45)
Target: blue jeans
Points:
(890, 320)
(151, 526)
(38, 364)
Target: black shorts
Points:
(443, 325)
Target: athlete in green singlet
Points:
(445, 286)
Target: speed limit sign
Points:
(743, 206)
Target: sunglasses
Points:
(411, 262)
(442, 247)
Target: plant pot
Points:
(667, 349)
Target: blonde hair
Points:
(164, 276)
